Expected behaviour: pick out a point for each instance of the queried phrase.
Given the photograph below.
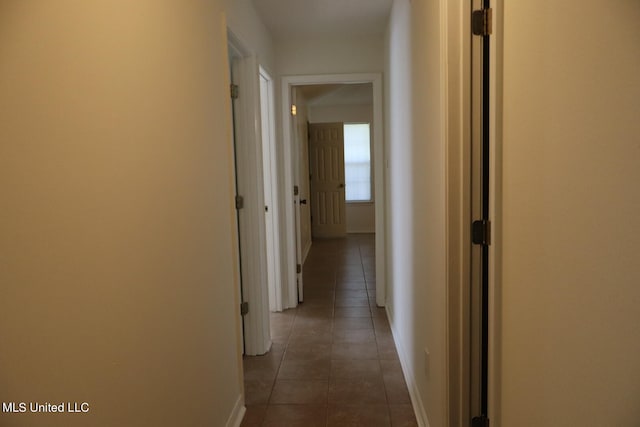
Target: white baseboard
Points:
(235, 419)
(409, 377)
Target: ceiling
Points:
(313, 18)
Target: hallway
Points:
(333, 361)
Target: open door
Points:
(245, 96)
(326, 155)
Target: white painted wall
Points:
(117, 247)
(416, 300)
(570, 236)
(360, 216)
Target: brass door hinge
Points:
(482, 22)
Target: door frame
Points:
(457, 104)
(290, 232)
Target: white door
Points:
(326, 158)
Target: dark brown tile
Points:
(257, 392)
(396, 388)
(352, 323)
(402, 416)
(261, 367)
(306, 351)
(350, 277)
(381, 324)
(310, 336)
(357, 336)
(295, 416)
(386, 348)
(304, 369)
(351, 293)
(299, 392)
(354, 351)
(357, 392)
(352, 285)
(359, 416)
(254, 416)
(391, 366)
(352, 302)
(379, 312)
(352, 312)
(355, 369)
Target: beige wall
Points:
(361, 217)
(570, 275)
(116, 248)
(415, 181)
(327, 55)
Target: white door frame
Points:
(289, 234)
(249, 176)
(271, 186)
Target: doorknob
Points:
(341, 185)
(303, 201)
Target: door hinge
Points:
(481, 421)
(296, 190)
(481, 232)
(298, 268)
(482, 22)
(239, 202)
(244, 308)
(234, 91)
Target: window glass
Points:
(357, 162)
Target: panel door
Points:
(326, 158)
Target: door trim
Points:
(289, 235)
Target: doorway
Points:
(291, 178)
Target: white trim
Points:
(414, 393)
(236, 416)
(378, 143)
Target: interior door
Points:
(326, 158)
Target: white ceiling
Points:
(312, 18)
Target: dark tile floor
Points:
(333, 361)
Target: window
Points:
(357, 162)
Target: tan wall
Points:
(116, 263)
(570, 286)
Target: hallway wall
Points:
(571, 198)
(415, 181)
(116, 217)
(325, 55)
